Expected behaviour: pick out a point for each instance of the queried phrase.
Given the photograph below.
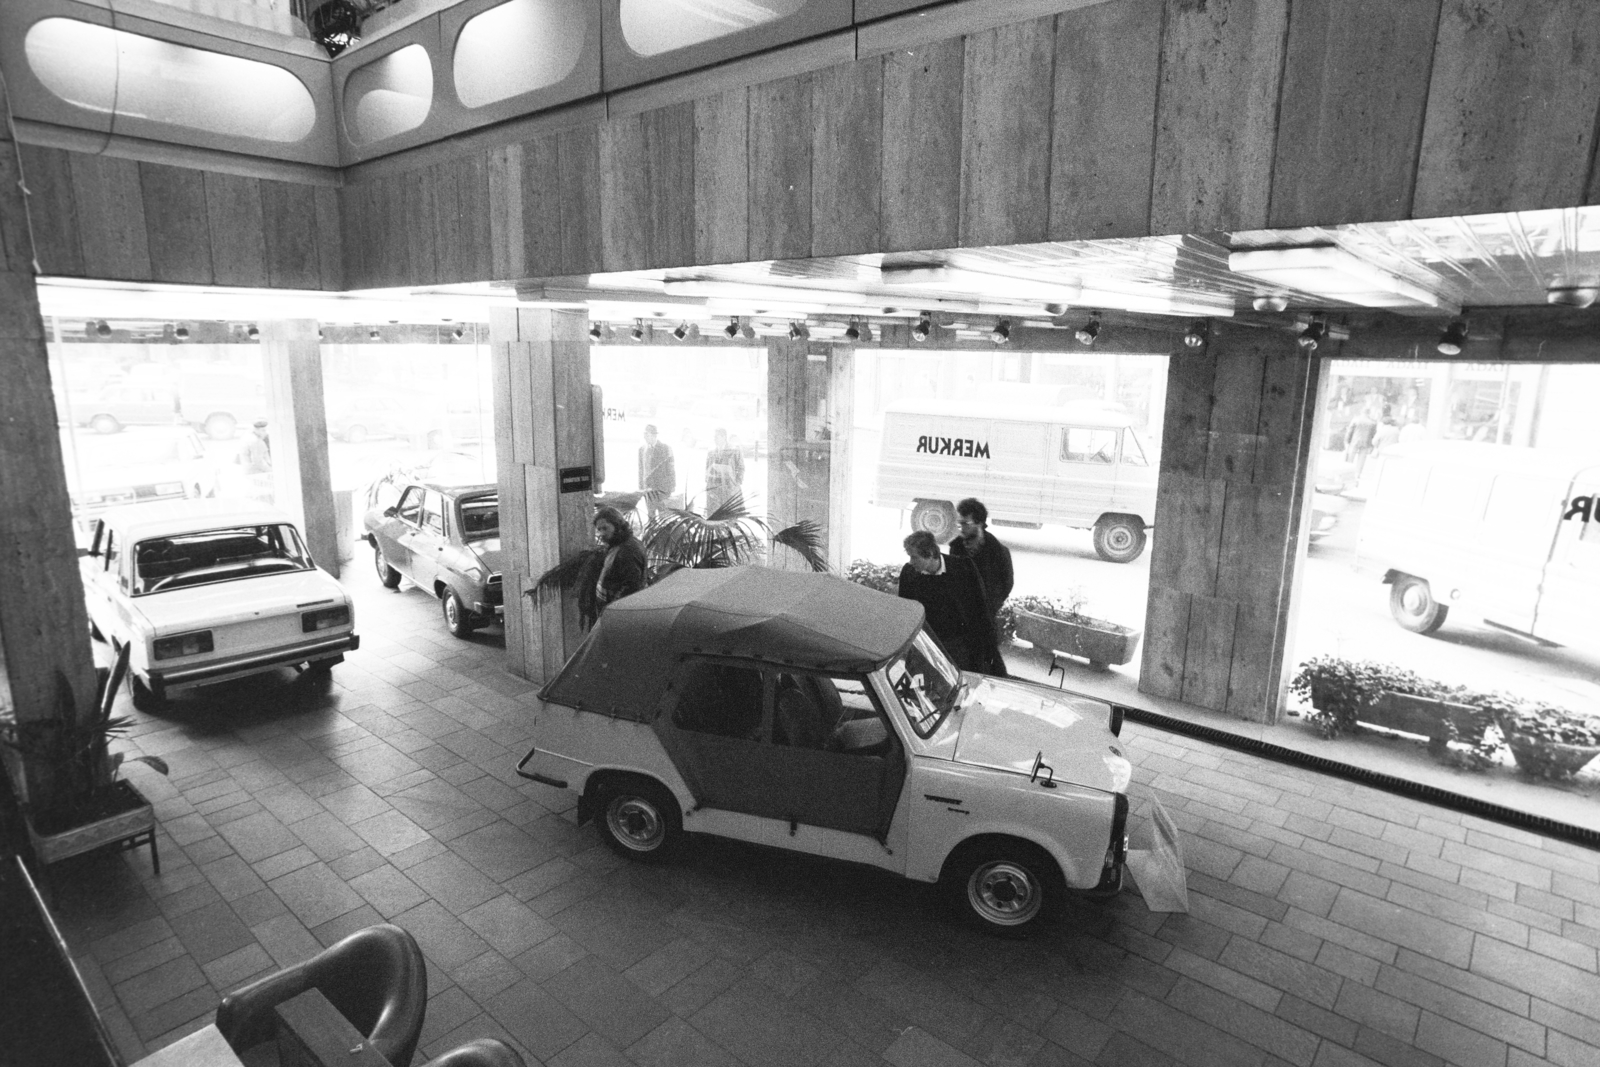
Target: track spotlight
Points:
(866, 333)
(731, 330)
(1312, 335)
(637, 333)
(1195, 335)
(680, 331)
(252, 331)
(373, 334)
(595, 331)
(1001, 332)
(181, 333)
(1572, 296)
(459, 332)
(747, 331)
(320, 335)
(103, 328)
(1089, 331)
(1454, 336)
(923, 327)
(798, 331)
(852, 332)
(1274, 302)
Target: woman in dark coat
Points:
(617, 571)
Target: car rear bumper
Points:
(178, 679)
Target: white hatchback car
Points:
(804, 712)
(206, 591)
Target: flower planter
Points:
(1100, 642)
(1542, 758)
(127, 819)
(1431, 718)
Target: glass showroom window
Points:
(116, 72)
(516, 48)
(652, 27)
(389, 96)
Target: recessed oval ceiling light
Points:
(1271, 302)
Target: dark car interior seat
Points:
(808, 708)
(376, 977)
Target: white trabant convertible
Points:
(205, 591)
(804, 712)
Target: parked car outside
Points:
(357, 419)
(446, 539)
(804, 712)
(123, 403)
(206, 591)
(138, 466)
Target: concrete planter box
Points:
(129, 820)
(1100, 642)
(1429, 717)
(1549, 759)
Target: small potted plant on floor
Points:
(83, 803)
(1548, 741)
(1060, 625)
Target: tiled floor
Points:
(1329, 924)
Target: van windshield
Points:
(1133, 452)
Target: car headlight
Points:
(1121, 771)
(474, 573)
(325, 619)
(189, 644)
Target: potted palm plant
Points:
(1060, 624)
(83, 804)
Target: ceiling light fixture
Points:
(1001, 332)
(181, 333)
(852, 332)
(747, 331)
(1572, 296)
(680, 331)
(103, 328)
(594, 331)
(923, 327)
(1195, 335)
(252, 331)
(1453, 338)
(1313, 333)
(1089, 331)
(372, 333)
(1271, 302)
(1331, 272)
(637, 333)
(458, 333)
(731, 330)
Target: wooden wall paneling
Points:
(846, 158)
(330, 237)
(395, 266)
(1188, 532)
(353, 203)
(541, 206)
(289, 220)
(1102, 142)
(1166, 641)
(541, 403)
(573, 433)
(780, 169)
(922, 130)
(1283, 418)
(544, 552)
(419, 221)
(506, 259)
(1005, 136)
(1186, 421)
(578, 159)
(786, 426)
(1511, 107)
(238, 247)
(475, 238)
(1208, 656)
(722, 177)
(1235, 409)
(378, 232)
(111, 226)
(624, 194)
(1253, 518)
(53, 209)
(175, 220)
(1355, 83)
(841, 454)
(1255, 680)
(669, 150)
(1216, 116)
(524, 449)
(515, 577)
(449, 237)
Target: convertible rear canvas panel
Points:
(812, 621)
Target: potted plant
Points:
(83, 804)
(1060, 625)
(1548, 741)
(1344, 692)
(883, 577)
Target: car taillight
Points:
(325, 619)
(1118, 851)
(190, 644)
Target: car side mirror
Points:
(390, 513)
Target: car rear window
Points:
(480, 518)
(189, 559)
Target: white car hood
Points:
(1009, 726)
(198, 607)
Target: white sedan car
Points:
(206, 591)
(804, 712)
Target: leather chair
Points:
(485, 1052)
(376, 978)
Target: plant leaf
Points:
(151, 761)
(805, 537)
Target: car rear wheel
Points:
(386, 574)
(1119, 538)
(104, 424)
(144, 698)
(457, 619)
(1002, 886)
(639, 819)
(935, 516)
(1413, 607)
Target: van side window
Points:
(1087, 444)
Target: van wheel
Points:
(1002, 886)
(938, 517)
(104, 424)
(638, 819)
(1413, 607)
(1118, 538)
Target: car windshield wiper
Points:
(955, 698)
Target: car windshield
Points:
(187, 559)
(926, 683)
(480, 518)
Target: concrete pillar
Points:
(544, 438)
(810, 409)
(291, 356)
(1229, 527)
(44, 628)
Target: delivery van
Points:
(1078, 464)
(1508, 535)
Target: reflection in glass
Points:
(121, 73)
(516, 48)
(389, 96)
(652, 27)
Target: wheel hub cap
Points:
(1004, 893)
(636, 823)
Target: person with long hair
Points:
(617, 571)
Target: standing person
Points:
(1358, 438)
(256, 455)
(657, 474)
(993, 561)
(615, 573)
(724, 471)
(950, 591)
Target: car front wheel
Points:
(1118, 538)
(386, 574)
(1413, 607)
(457, 619)
(639, 819)
(1002, 887)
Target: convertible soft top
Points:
(798, 619)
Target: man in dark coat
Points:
(950, 591)
(657, 473)
(993, 561)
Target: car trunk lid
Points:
(242, 615)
